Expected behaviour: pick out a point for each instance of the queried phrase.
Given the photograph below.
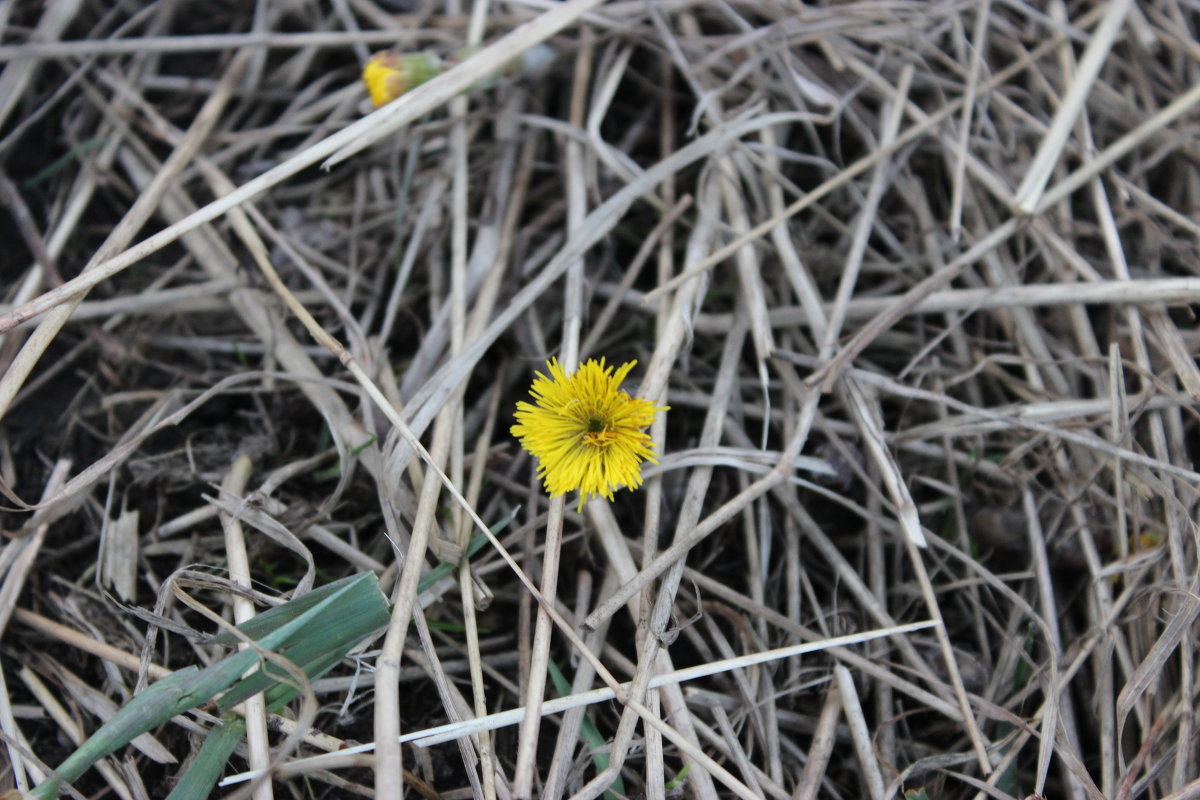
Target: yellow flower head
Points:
(389, 75)
(585, 432)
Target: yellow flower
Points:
(585, 432)
(389, 75)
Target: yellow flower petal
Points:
(388, 75)
(585, 432)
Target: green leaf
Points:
(314, 632)
(271, 620)
(157, 704)
(63, 161)
(198, 782)
(330, 629)
(445, 568)
(370, 441)
(679, 779)
(589, 733)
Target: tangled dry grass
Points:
(918, 281)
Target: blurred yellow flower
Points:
(389, 75)
(585, 432)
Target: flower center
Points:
(597, 434)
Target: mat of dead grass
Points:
(917, 280)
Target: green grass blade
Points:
(270, 621)
(198, 782)
(329, 632)
(589, 733)
(63, 161)
(151, 708)
(446, 568)
(307, 630)
(279, 695)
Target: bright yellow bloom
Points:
(389, 75)
(585, 432)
